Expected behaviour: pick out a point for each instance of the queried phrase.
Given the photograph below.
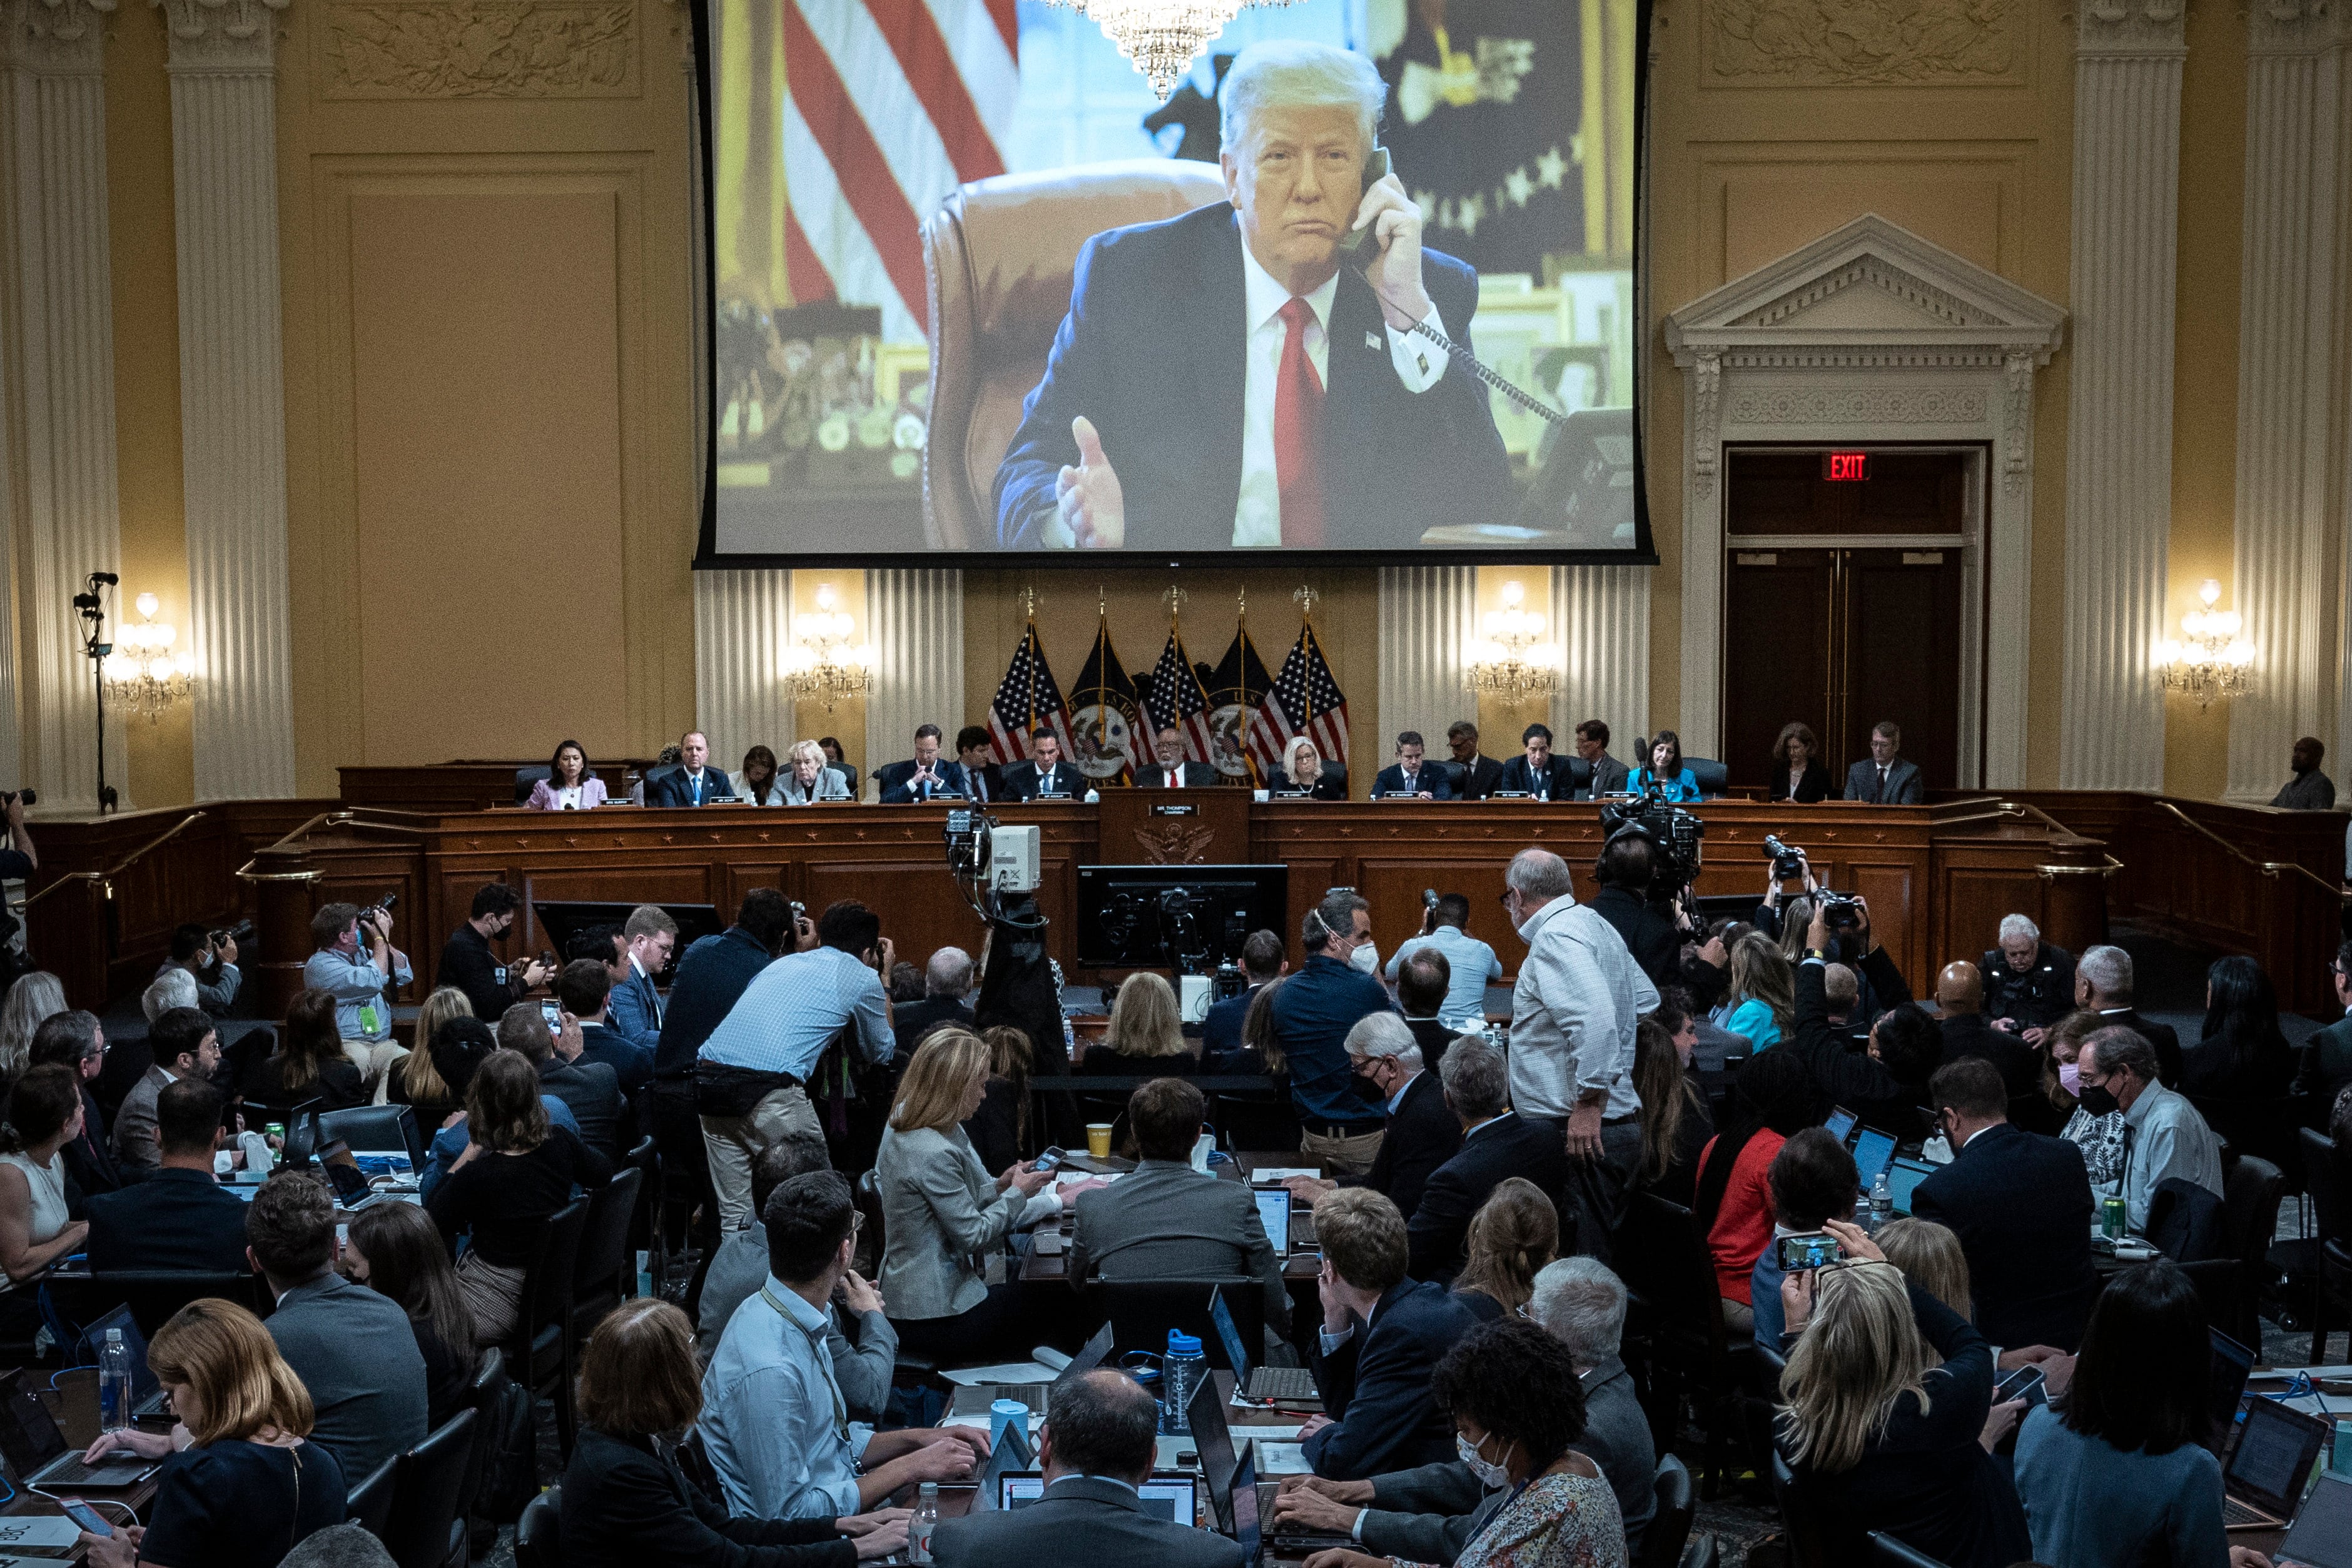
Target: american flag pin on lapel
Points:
(1372, 339)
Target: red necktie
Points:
(1298, 431)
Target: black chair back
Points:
(539, 1352)
(154, 1295)
(1704, 1551)
(1889, 1553)
(1258, 1124)
(1142, 1312)
(1670, 1527)
(2264, 1127)
(376, 1128)
(605, 1270)
(2035, 1113)
(1807, 1544)
(370, 1505)
(481, 1398)
(2251, 1191)
(1712, 776)
(425, 1531)
(2216, 1280)
(867, 1194)
(1663, 1259)
(2318, 1162)
(527, 777)
(539, 1534)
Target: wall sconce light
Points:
(145, 674)
(1510, 661)
(2212, 661)
(825, 665)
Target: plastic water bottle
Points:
(925, 1520)
(1882, 1201)
(1183, 1369)
(114, 1383)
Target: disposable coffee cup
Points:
(1098, 1139)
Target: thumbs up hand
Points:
(1091, 510)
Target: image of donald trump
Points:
(1247, 375)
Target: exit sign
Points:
(1845, 465)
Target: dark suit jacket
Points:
(2167, 1041)
(1434, 1037)
(671, 788)
(1562, 777)
(632, 1065)
(1477, 780)
(89, 1165)
(1221, 1029)
(896, 781)
(909, 1021)
(1023, 783)
(623, 1506)
(1432, 777)
(1423, 1135)
(1608, 775)
(1189, 776)
(1168, 1221)
(2021, 1206)
(1903, 783)
(593, 1092)
(1375, 1386)
(1510, 1145)
(1078, 1521)
(1331, 784)
(1815, 786)
(1650, 934)
(173, 1219)
(991, 779)
(1152, 352)
(2020, 1065)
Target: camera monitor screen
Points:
(1199, 350)
(1188, 918)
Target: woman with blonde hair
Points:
(414, 1080)
(31, 1001)
(1881, 1438)
(1763, 992)
(1146, 1036)
(808, 779)
(1304, 770)
(241, 1483)
(1515, 1233)
(1931, 1258)
(943, 1213)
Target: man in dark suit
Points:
(693, 782)
(1885, 778)
(1382, 1334)
(75, 1039)
(1474, 775)
(1424, 976)
(1608, 775)
(983, 780)
(2022, 1205)
(178, 1217)
(584, 990)
(2104, 982)
(1410, 777)
(1536, 772)
(923, 777)
(591, 1088)
(1165, 1220)
(1326, 422)
(1420, 1134)
(1096, 1448)
(1959, 997)
(1045, 773)
(1221, 1032)
(1496, 1143)
(947, 979)
(186, 1044)
(1168, 770)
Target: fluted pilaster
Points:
(232, 391)
(743, 626)
(1428, 617)
(57, 384)
(1601, 618)
(916, 616)
(2126, 179)
(2292, 516)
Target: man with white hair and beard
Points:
(1573, 1013)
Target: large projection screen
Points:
(1121, 377)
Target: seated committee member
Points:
(775, 1423)
(1303, 772)
(756, 783)
(1420, 1134)
(693, 782)
(1536, 772)
(256, 1476)
(355, 962)
(807, 779)
(1168, 770)
(1382, 1335)
(1474, 775)
(491, 984)
(2308, 789)
(1797, 773)
(1471, 965)
(1606, 775)
(923, 777)
(1141, 435)
(1495, 1144)
(1409, 777)
(179, 1218)
(1096, 1448)
(1045, 773)
(1674, 780)
(352, 1348)
(2163, 1134)
(1165, 1220)
(983, 780)
(627, 1504)
(569, 786)
(1883, 778)
(309, 1063)
(186, 1045)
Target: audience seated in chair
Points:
(35, 1229)
(1886, 1084)
(1145, 1036)
(309, 1063)
(396, 1250)
(592, 1090)
(1960, 999)
(179, 1218)
(186, 1045)
(947, 977)
(2241, 1054)
(584, 990)
(1734, 1206)
(1420, 1131)
(1812, 1181)
(75, 1039)
(414, 1080)
(2104, 985)
(1496, 1143)
(2166, 1137)
(1515, 1233)
(1675, 1120)
(1382, 1334)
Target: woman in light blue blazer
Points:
(1674, 780)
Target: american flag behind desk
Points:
(1025, 699)
(890, 105)
(1305, 700)
(1179, 700)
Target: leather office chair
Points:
(527, 777)
(424, 1530)
(539, 1536)
(998, 256)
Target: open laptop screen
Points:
(1872, 1150)
(1172, 1497)
(1841, 1123)
(1903, 1177)
(1235, 1351)
(2232, 1364)
(2276, 1450)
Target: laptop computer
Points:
(1246, 1512)
(1274, 1214)
(146, 1391)
(1872, 1150)
(2264, 1479)
(1903, 1176)
(1173, 1497)
(2321, 1536)
(1841, 1123)
(1010, 1456)
(1272, 1384)
(1213, 1442)
(2232, 1364)
(36, 1453)
(976, 1399)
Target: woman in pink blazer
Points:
(569, 786)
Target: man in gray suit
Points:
(1165, 1220)
(351, 1347)
(1097, 1447)
(186, 1044)
(1885, 780)
(1608, 775)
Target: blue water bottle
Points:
(1182, 1372)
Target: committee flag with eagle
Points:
(1025, 699)
(1305, 700)
(1179, 701)
(1105, 719)
(1236, 688)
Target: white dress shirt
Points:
(1573, 1012)
(1420, 365)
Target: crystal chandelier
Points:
(143, 674)
(825, 665)
(2214, 661)
(1510, 661)
(1161, 38)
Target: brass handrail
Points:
(2268, 868)
(105, 878)
(2051, 872)
(324, 818)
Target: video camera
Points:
(1673, 833)
(1840, 912)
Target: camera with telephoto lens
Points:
(1788, 865)
(1673, 833)
(241, 933)
(1228, 982)
(27, 796)
(1840, 912)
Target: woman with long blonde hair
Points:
(1763, 992)
(1304, 770)
(414, 1080)
(1146, 1035)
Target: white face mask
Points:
(1365, 958)
(1489, 1475)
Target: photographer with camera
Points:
(1887, 1085)
(18, 862)
(467, 962)
(1625, 870)
(356, 962)
(211, 957)
(1471, 965)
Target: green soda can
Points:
(2111, 1219)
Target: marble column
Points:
(223, 66)
(916, 617)
(2292, 514)
(2127, 180)
(742, 627)
(1428, 616)
(57, 388)
(1600, 619)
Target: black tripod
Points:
(87, 605)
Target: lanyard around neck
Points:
(817, 1350)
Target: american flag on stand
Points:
(889, 106)
(1179, 699)
(1025, 699)
(1305, 701)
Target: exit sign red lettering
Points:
(1845, 465)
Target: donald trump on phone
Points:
(1235, 377)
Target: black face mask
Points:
(2098, 1099)
(1366, 1089)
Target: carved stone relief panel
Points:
(1863, 43)
(480, 48)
